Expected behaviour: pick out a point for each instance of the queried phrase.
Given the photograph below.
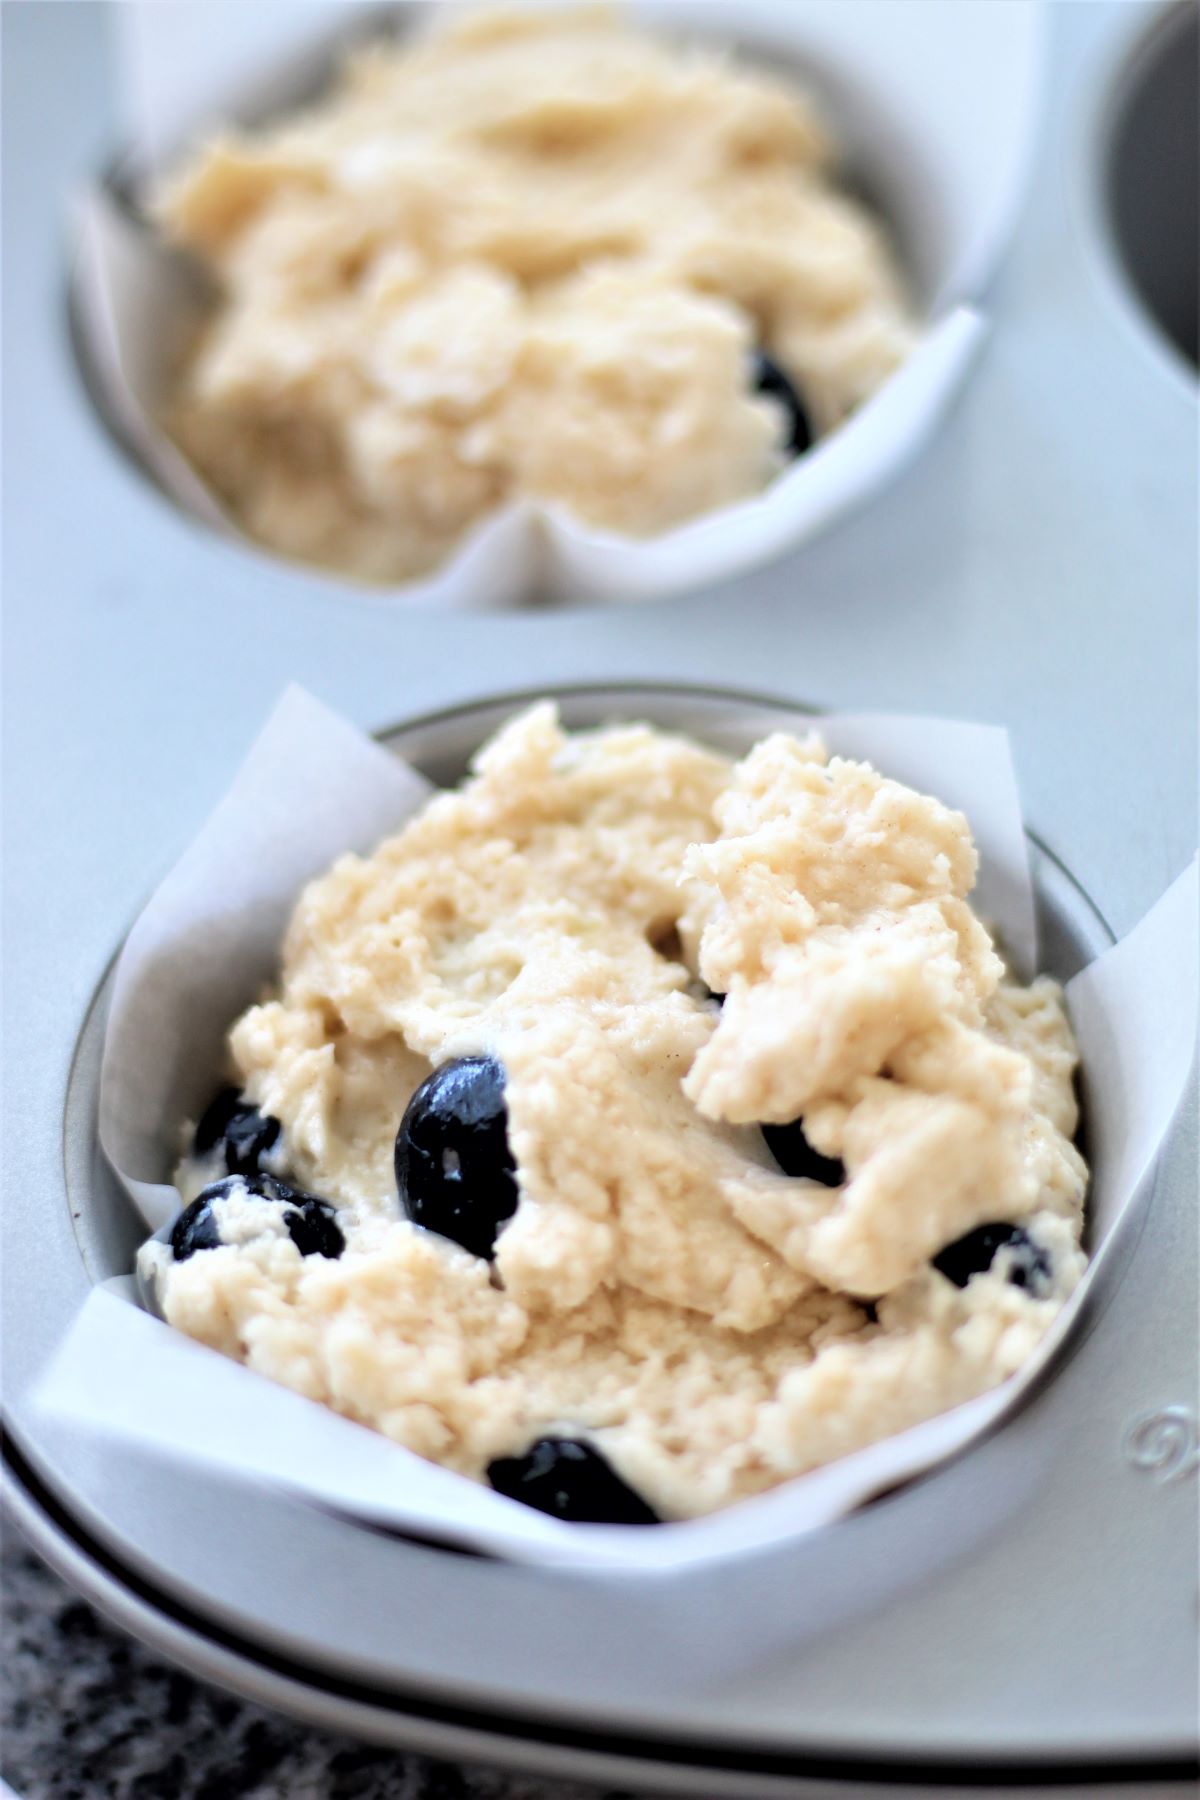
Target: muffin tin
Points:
(1036, 566)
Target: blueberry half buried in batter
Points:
(310, 1222)
(974, 1253)
(569, 1480)
(233, 1126)
(796, 1156)
(770, 379)
(454, 1170)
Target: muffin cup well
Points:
(209, 938)
(935, 102)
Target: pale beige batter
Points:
(528, 256)
(662, 1289)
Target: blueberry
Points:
(796, 1156)
(454, 1169)
(196, 1228)
(234, 1126)
(770, 379)
(313, 1228)
(311, 1223)
(972, 1254)
(569, 1480)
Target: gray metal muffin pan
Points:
(1027, 1613)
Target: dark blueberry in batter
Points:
(570, 1481)
(796, 1156)
(770, 379)
(195, 1228)
(313, 1228)
(454, 1169)
(1029, 1266)
(234, 1125)
(311, 1223)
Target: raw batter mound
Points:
(660, 1288)
(529, 256)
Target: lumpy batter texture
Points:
(529, 256)
(663, 1290)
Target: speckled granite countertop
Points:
(87, 1714)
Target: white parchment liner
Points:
(314, 787)
(938, 98)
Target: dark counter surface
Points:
(87, 1714)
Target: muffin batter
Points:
(527, 256)
(659, 952)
